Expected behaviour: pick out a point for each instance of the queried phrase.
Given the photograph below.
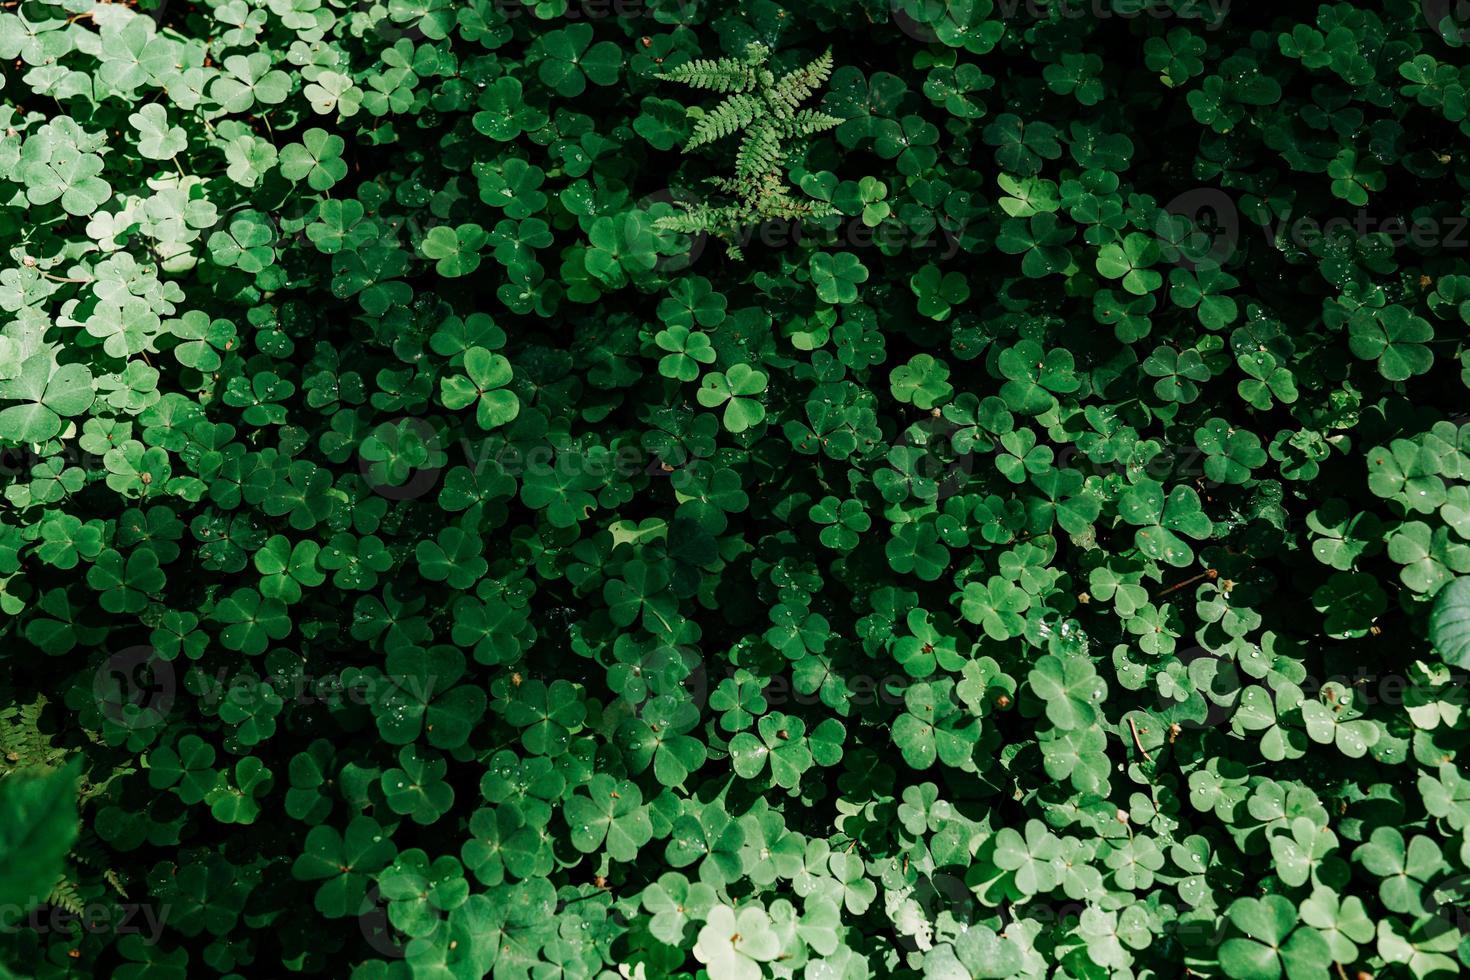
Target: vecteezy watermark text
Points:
(929, 21)
(1214, 229)
(113, 918)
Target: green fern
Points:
(798, 86)
(24, 746)
(765, 112)
(89, 852)
(723, 74)
(22, 743)
(760, 153)
(731, 116)
(805, 123)
(65, 895)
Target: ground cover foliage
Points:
(847, 489)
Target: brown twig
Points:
(1138, 742)
(1208, 573)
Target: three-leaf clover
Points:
(483, 385)
(735, 389)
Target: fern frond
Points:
(702, 220)
(64, 895)
(746, 190)
(30, 714)
(806, 122)
(22, 743)
(760, 152)
(90, 852)
(797, 86)
(689, 223)
(720, 75)
(791, 208)
(727, 118)
(91, 790)
(774, 200)
(766, 111)
(816, 210)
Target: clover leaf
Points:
(734, 390)
(483, 386)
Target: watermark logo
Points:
(953, 21)
(91, 918)
(938, 452)
(676, 671)
(934, 21)
(375, 17)
(1213, 676)
(19, 462)
(944, 236)
(1448, 900)
(135, 688)
(1199, 228)
(1168, 462)
(402, 458)
(937, 905)
(245, 689)
(1450, 19)
(377, 930)
(431, 23)
(667, 686)
(677, 250)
